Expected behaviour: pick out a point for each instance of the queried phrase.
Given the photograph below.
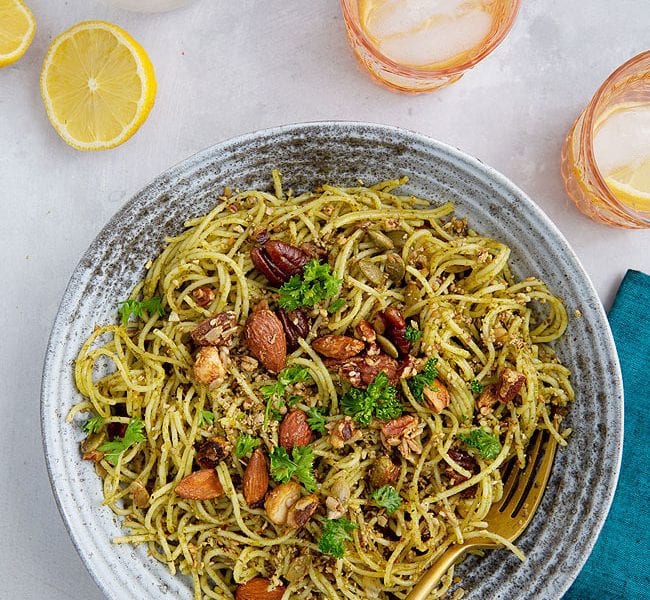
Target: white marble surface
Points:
(225, 68)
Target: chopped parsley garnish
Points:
(245, 445)
(426, 377)
(135, 308)
(488, 445)
(274, 392)
(476, 387)
(93, 425)
(316, 420)
(315, 285)
(335, 533)
(379, 399)
(206, 418)
(387, 497)
(412, 334)
(336, 306)
(133, 435)
(299, 465)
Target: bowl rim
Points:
(194, 162)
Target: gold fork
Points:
(522, 493)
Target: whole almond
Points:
(258, 589)
(294, 430)
(338, 346)
(266, 340)
(256, 479)
(200, 485)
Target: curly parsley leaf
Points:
(425, 377)
(93, 425)
(206, 418)
(476, 387)
(315, 285)
(134, 434)
(379, 399)
(245, 445)
(299, 465)
(387, 497)
(274, 392)
(412, 334)
(316, 420)
(335, 533)
(336, 306)
(135, 308)
(488, 445)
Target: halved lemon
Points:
(631, 184)
(98, 85)
(17, 28)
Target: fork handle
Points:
(436, 572)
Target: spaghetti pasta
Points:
(469, 318)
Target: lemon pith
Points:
(98, 85)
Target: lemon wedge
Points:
(98, 85)
(17, 28)
(631, 185)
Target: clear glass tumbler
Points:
(616, 195)
(148, 5)
(446, 31)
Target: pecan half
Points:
(256, 479)
(279, 261)
(509, 385)
(383, 472)
(365, 332)
(436, 396)
(302, 510)
(395, 329)
(265, 338)
(361, 370)
(337, 346)
(294, 430)
(203, 295)
(296, 325)
(403, 433)
(211, 452)
(259, 588)
(200, 485)
(215, 331)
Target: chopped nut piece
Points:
(203, 295)
(403, 433)
(383, 472)
(436, 396)
(487, 400)
(256, 479)
(280, 499)
(302, 510)
(139, 494)
(468, 462)
(296, 325)
(216, 331)
(93, 455)
(342, 432)
(210, 365)
(335, 508)
(510, 383)
(365, 332)
(361, 370)
(294, 430)
(337, 346)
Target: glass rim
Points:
(587, 137)
(491, 45)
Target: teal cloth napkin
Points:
(619, 566)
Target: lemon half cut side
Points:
(17, 28)
(98, 85)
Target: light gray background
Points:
(224, 68)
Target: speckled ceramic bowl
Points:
(584, 476)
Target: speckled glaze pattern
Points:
(584, 476)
